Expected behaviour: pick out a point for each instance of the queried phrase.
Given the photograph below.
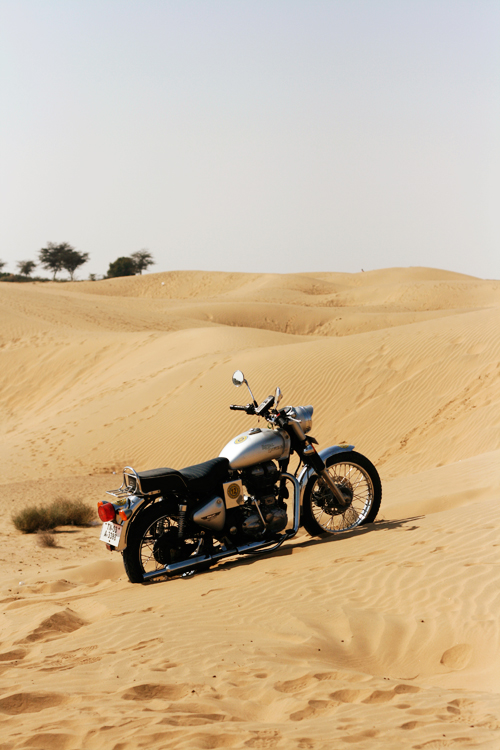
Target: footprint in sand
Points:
(192, 720)
(149, 692)
(361, 737)
(402, 688)
(409, 725)
(345, 676)
(54, 626)
(347, 696)
(264, 739)
(457, 657)
(384, 696)
(304, 713)
(26, 703)
(380, 696)
(56, 741)
(18, 653)
(313, 708)
(294, 686)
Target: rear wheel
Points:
(358, 481)
(153, 542)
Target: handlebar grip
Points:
(237, 407)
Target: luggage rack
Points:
(134, 488)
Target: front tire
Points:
(359, 482)
(153, 542)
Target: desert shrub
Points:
(46, 539)
(71, 513)
(59, 513)
(17, 277)
(32, 519)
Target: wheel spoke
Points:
(356, 485)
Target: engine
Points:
(261, 503)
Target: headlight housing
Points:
(303, 414)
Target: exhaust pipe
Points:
(195, 562)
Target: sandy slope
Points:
(385, 637)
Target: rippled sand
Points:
(387, 637)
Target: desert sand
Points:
(385, 637)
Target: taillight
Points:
(106, 511)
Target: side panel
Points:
(211, 515)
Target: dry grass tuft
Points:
(46, 539)
(59, 513)
(33, 519)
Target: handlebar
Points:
(249, 408)
(279, 418)
(262, 410)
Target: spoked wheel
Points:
(359, 483)
(153, 543)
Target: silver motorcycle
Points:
(169, 522)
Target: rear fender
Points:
(131, 507)
(307, 472)
(171, 508)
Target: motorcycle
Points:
(169, 522)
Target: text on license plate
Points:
(111, 533)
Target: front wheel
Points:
(153, 542)
(358, 481)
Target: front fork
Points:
(314, 460)
(311, 458)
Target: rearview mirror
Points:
(238, 378)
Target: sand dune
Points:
(384, 637)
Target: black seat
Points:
(198, 479)
(161, 479)
(203, 477)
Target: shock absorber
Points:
(182, 519)
(311, 457)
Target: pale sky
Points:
(252, 135)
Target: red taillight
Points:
(106, 511)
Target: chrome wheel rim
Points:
(356, 485)
(162, 526)
(150, 538)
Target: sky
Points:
(252, 135)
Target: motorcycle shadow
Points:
(292, 546)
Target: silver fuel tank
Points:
(256, 446)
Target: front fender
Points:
(326, 453)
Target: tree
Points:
(123, 266)
(26, 267)
(2, 264)
(52, 256)
(142, 259)
(72, 260)
(56, 257)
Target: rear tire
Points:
(148, 548)
(359, 482)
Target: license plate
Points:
(111, 533)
